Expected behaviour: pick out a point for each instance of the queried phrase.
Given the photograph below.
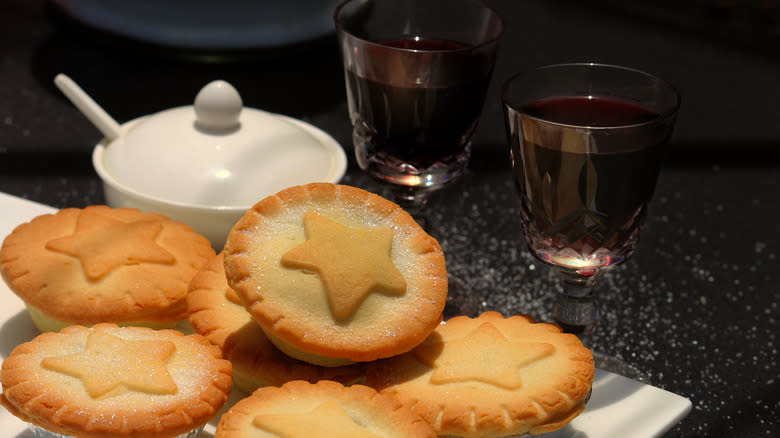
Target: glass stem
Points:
(412, 199)
(460, 299)
(576, 310)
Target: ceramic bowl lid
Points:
(218, 153)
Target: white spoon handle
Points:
(94, 112)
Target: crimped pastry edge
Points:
(386, 410)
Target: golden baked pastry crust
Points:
(98, 264)
(291, 304)
(323, 409)
(83, 381)
(491, 376)
(216, 313)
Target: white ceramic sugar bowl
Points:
(207, 163)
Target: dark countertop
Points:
(696, 308)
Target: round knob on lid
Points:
(218, 106)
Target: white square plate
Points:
(619, 407)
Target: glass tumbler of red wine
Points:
(416, 73)
(587, 143)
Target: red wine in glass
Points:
(415, 109)
(584, 194)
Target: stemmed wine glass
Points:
(587, 143)
(417, 72)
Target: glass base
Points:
(412, 199)
(460, 299)
(578, 313)
(619, 366)
(385, 167)
(412, 193)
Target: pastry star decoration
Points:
(351, 262)
(484, 355)
(110, 364)
(326, 420)
(102, 244)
